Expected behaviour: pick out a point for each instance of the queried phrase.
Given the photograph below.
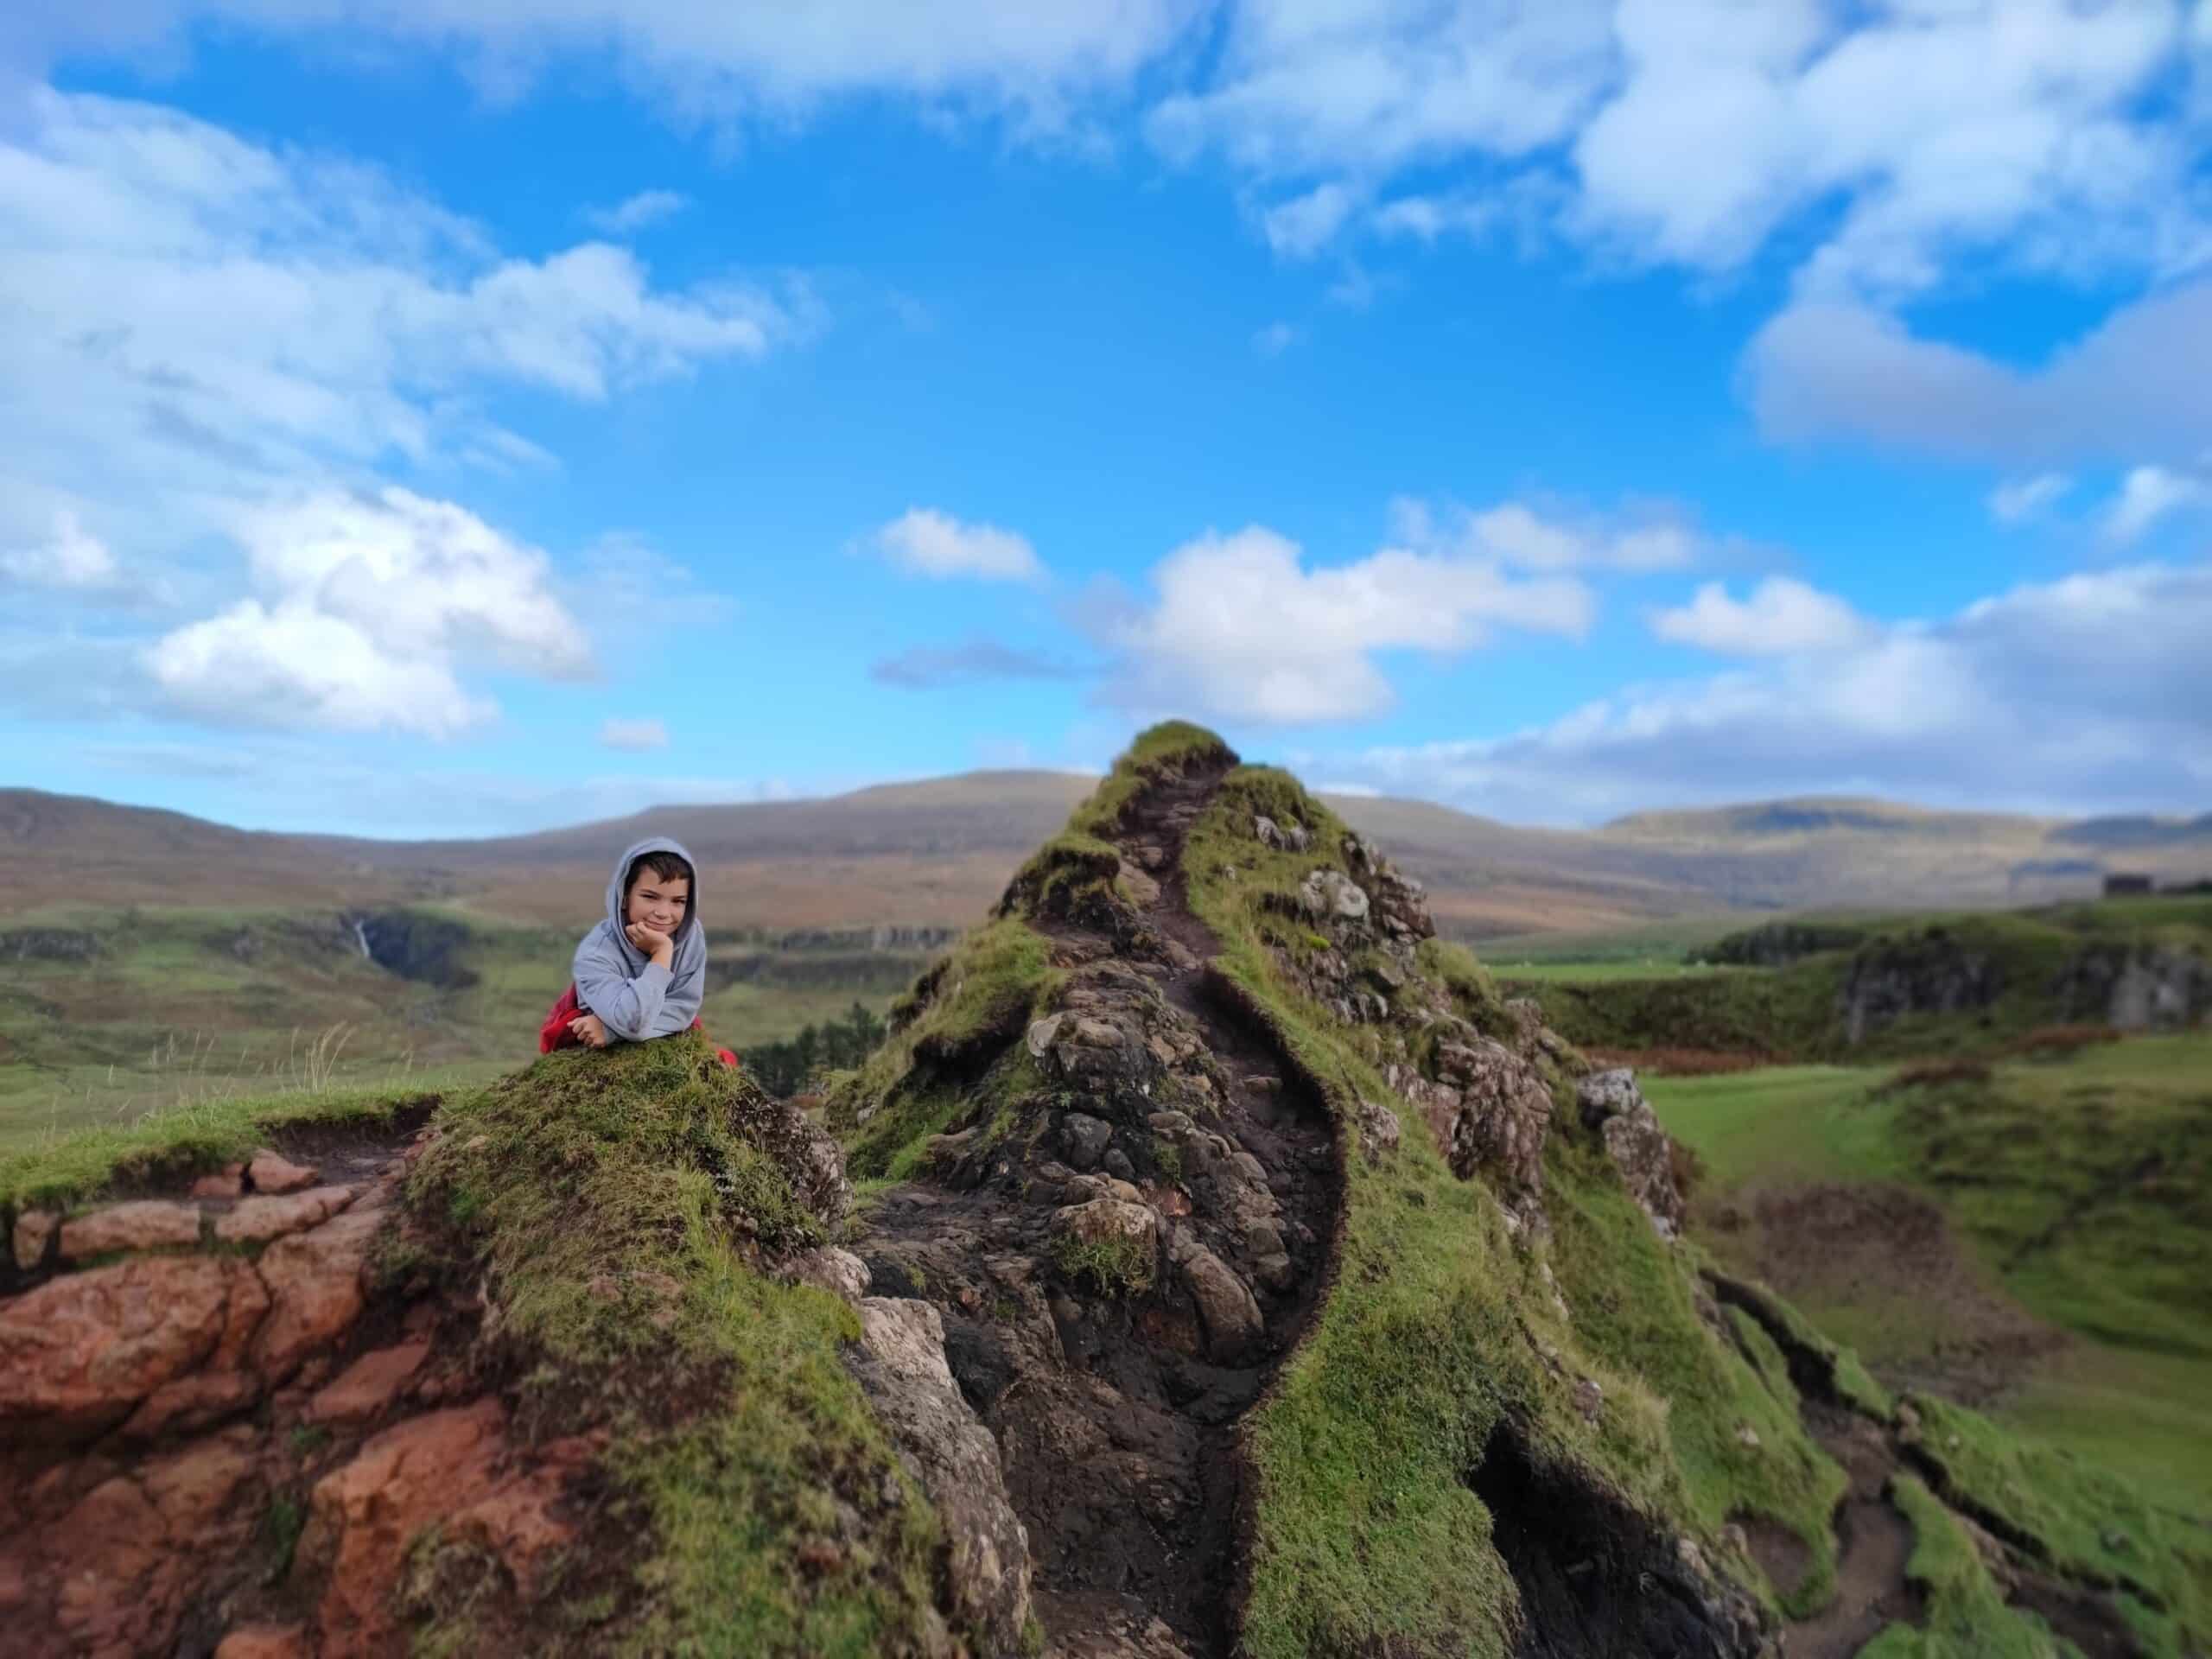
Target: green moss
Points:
(2087, 1523)
(1634, 1302)
(1367, 1535)
(613, 1195)
(1165, 750)
(945, 1061)
(282, 1524)
(1966, 1616)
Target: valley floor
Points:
(2031, 1236)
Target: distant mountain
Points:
(933, 852)
(2127, 833)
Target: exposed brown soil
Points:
(1870, 1246)
(1873, 1542)
(1116, 1414)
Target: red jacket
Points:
(555, 1032)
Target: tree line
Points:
(785, 1068)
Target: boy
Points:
(641, 973)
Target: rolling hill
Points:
(932, 852)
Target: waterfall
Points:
(361, 933)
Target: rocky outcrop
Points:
(49, 944)
(289, 1409)
(2137, 987)
(1931, 972)
(1613, 1106)
(900, 1363)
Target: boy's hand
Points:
(659, 946)
(588, 1031)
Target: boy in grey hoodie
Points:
(641, 973)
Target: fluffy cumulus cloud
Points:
(1781, 617)
(925, 541)
(192, 312)
(215, 346)
(1238, 627)
(2095, 688)
(365, 608)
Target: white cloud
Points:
(927, 543)
(1939, 128)
(1308, 88)
(633, 735)
(1782, 616)
(638, 213)
(1553, 538)
(192, 319)
(1302, 227)
(74, 559)
(2090, 693)
(365, 608)
(2018, 500)
(718, 60)
(1240, 629)
(2139, 385)
(213, 343)
(1274, 340)
(2147, 495)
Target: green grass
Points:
(183, 1140)
(2085, 1521)
(186, 1006)
(2082, 1188)
(1966, 1616)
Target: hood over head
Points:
(690, 934)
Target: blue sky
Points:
(487, 413)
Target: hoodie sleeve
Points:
(655, 1004)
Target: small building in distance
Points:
(2126, 885)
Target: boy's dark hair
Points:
(667, 866)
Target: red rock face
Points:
(81, 1351)
(157, 1419)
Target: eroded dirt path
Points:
(1115, 1407)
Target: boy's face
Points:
(657, 901)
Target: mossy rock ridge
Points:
(536, 1375)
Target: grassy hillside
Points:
(2037, 1233)
(1959, 982)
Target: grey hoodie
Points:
(633, 996)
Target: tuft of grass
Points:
(1116, 1267)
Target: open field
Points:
(2038, 1236)
(106, 1015)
